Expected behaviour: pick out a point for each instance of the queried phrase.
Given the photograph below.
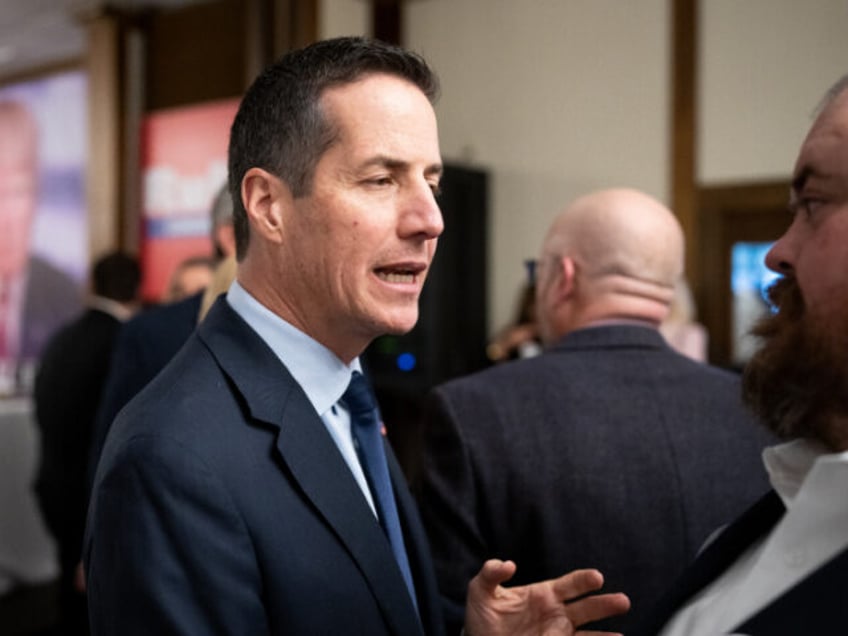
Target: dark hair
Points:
(279, 126)
(116, 276)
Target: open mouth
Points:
(399, 274)
(396, 276)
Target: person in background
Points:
(521, 338)
(190, 277)
(36, 298)
(247, 489)
(222, 278)
(609, 449)
(68, 385)
(782, 566)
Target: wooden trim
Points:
(257, 38)
(211, 67)
(387, 20)
(105, 173)
(728, 214)
(134, 88)
(683, 134)
(295, 25)
(304, 21)
(748, 194)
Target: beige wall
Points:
(553, 98)
(344, 17)
(559, 97)
(764, 66)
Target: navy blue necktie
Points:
(366, 426)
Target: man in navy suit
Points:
(609, 449)
(782, 567)
(230, 497)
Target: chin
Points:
(400, 323)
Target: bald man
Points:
(610, 449)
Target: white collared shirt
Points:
(318, 371)
(118, 311)
(812, 484)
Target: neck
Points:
(615, 297)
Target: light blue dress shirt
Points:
(318, 371)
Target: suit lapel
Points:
(318, 467)
(816, 605)
(715, 558)
(417, 549)
(315, 463)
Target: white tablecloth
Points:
(27, 552)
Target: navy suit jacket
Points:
(145, 344)
(221, 505)
(816, 605)
(610, 450)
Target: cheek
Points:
(825, 293)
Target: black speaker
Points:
(449, 339)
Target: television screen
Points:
(749, 280)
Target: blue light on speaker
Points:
(406, 362)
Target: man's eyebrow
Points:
(383, 161)
(435, 169)
(398, 164)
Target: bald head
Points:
(612, 254)
(623, 232)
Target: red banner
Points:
(184, 164)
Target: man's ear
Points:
(266, 199)
(566, 277)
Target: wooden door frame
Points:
(729, 214)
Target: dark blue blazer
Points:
(816, 605)
(145, 344)
(610, 450)
(221, 505)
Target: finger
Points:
(595, 608)
(493, 573)
(577, 583)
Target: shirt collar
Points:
(607, 322)
(318, 371)
(117, 310)
(789, 465)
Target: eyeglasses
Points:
(530, 270)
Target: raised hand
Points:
(547, 608)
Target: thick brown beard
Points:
(798, 381)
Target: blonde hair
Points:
(222, 278)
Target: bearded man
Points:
(782, 568)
